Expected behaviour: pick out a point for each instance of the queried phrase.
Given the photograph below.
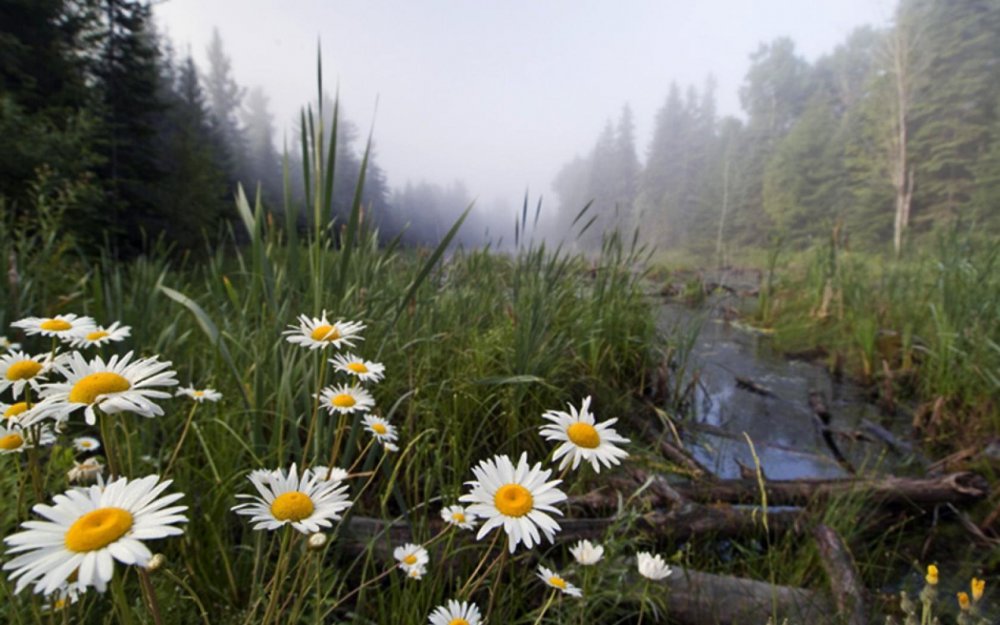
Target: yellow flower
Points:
(963, 601)
(932, 575)
(978, 586)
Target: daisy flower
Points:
(364, 370)
(411, 556)
(99, 335)
(16, 439)
(346, 399)
(458, 516)
(87, 529)
(516, 498)
(118, 385)
(390, 447)
(61, 326)
(18, 369)
(85, 472)
(200, 396)
(416, 572)
(86, 443)
(582, 439)
(652, 567)
(17, 412)
(382, 430)
(456, 613)
(329, 474)
(587, 553)
(305, 502)
(319, 333)
(554, 580)
(7, 345)
(61, 598)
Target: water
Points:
(783, 428)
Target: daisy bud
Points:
(317, 541)
(157, 561)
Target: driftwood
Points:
(752, 387)
(845, 582)
(705, 599)
(951, 488)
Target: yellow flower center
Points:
(378, 428)
(963, 600)
(458, 621)
(410, 559)
(15, 409)
(458, 517)
(513, 500)
(583, 435)
(325, 332)
(11, 442)
(932, 575)
(558, 582)
(98, 528)
(199, 393)
(86, 444)
(23, 370)
(96, 336)
(55, 325)
(292, 506)
(90, 387)
(357, 367)
(344, 400)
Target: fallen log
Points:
(952, 488)
(845, 582)
(706, 599)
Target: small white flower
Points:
(7, 345)
(458, 516)
(587, 553)
(456, 613)
(86, 443)
(411, 556)
(95, 337)
(582, 439)
(364, 370)
(15, 439)
(554, 580)
(344, 399)
(416, 572)
(200, 396)
(18, 412)
(382, 430)
(64, 327)
(306, 502)
(319, 333)
(390, 447)
(652, 566)
(85, 472)
(18, 370)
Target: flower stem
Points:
(150, 595)
(180, 442)
(545, 608)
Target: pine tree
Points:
(225, 97)
(263, 165)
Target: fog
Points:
(499, 94)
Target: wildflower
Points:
(319, 333)
(411, 556)
(652, 566)
(87, 529)
(932, 575)
(156, 562)
(382, 430)
(18, 369)
(554, 580)
(518, 499)
(317, 541)
(963, 601)
(306, 502)
(390, 447)
(363, 370)
(346, 399)
(86, 443)
(7, 346)
(64, 327)
(118, 385)
(587, 553)
(978, 587)
(459, 517)
(200, 396)
(87, 471)
(17, 412)
(456, 613)
(331, 474)
(582, 439)
(97, 336)
(16, 439)
(416, 572)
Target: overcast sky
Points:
(500, 93)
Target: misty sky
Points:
(500, 93)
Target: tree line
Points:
(894, 134)
(103, 119)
